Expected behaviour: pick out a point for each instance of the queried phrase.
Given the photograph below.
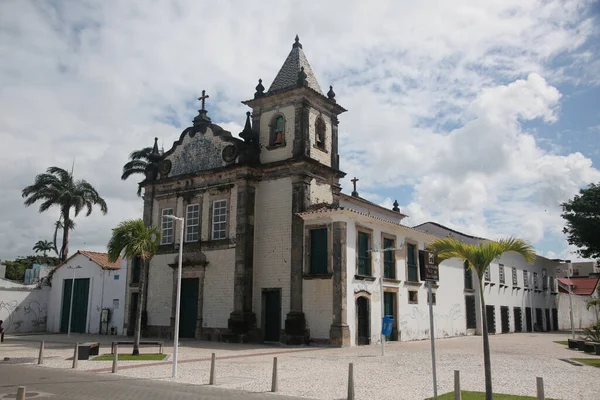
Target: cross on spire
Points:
(354, 193)
(203, 99)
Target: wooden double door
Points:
(80, 303)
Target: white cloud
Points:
(436, 93)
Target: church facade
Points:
(273, 251)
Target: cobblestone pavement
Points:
(318, 372)
(50, 383)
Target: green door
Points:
(80, 305)
(389, 308)
(272, 316)
(188, 313)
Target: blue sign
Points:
(388, 323)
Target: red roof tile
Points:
(581, 286)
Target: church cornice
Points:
(306, 93)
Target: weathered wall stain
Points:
(415, 324)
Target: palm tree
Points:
(43, 246)
(479, 257)
(134, 239)
(139, 160)
(58, 188)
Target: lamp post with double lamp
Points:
(72, 293)
(569, 266)
(178, 300)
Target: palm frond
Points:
(62, 174)
(133, 239)
(142, 154)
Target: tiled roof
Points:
(580, 286)
(101, 259)
(449, 229)
(288, 74)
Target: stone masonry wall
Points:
(218, 288)
(318, 306)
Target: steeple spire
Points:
(287, 77)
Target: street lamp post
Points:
(71, 302)
(178, 300)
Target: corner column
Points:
(339, 334)
(335, 158)
(242, 320)
(301, 143)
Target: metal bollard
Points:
(274, 378)
(75, 355)
(21, 393)
(351, 382)
(41, 355)
(457, 394)
(212, 370)
(540, 388)
(115, 359)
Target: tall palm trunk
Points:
(64, 250)
(138, 314)
(487, 365)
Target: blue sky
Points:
(482, 116)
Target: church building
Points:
(273, 251)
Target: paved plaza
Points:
(321, 372)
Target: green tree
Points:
(582, 214)
(138, 161)
(43, 246)
(134, 239)
(479, 257)
(57, 187)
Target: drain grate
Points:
(575, 363)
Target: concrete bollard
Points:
(540, 388)
(21, 393)
(41, 355)
(75, 355)
(351, 382)
(115, 359)
(274, 382)
(212, 370)
(457, 394)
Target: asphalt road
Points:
(48, 383)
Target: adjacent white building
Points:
(99, 285)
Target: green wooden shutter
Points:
(318, 251)
(364, 259)
(389, 262)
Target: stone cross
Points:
(203, 98)
(354, 193)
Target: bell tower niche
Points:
(294, 119)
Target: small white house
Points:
(98, 295)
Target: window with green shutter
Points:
(363, 254)
(468, 276)
(389, 259)
(318, 251)
(413, 268)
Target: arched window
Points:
(277, 137)
(320, 133)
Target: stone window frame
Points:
(320, 122)
(416, 254)
(217, 196)
(272, 126)
(166, 221)
(394, 238)
(416, 294)
(307, 251)
(198, 226)
(368, 231)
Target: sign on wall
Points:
(432, 270)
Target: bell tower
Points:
(294, 119)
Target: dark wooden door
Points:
(491, 319)
(132, 314)
(518, 316)
(272, 315)
(362, 320)
(80, 305)
(555, 319)
(528, 319)
(389, 308)
(539, 323)
(504, 319)
(548, 323)
(188, 313)
(471, 312)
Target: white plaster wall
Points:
(317, 298)
(272, 242)
(160, 290)
(100, 295)
(320, 193)
(23, 308)
(280, 153)
(582, 317)
(218, 288)
(324, 157)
